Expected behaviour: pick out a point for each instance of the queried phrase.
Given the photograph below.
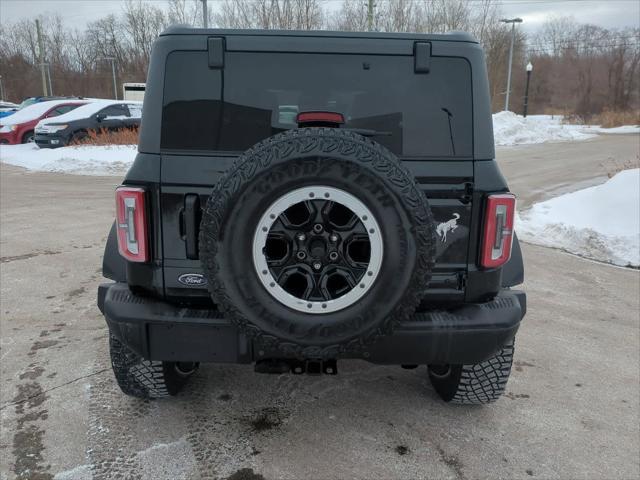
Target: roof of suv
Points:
(444, 37)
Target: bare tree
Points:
(401, 16)
(143, 23)
(352, 16)
(271, 14)
(578, 68)
(184, 12)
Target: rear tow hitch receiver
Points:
(297, 367)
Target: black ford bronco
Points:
(301, 198)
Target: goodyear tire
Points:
(355, 234)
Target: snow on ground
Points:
(625, 129)
(601, 222)
(510, 129)
(84, 160)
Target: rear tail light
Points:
(131, 221)
(498, 230)
(320, 117)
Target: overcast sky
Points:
(606, 13)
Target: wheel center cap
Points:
(318, 248)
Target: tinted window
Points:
(258, 95)
(62, 109)
(191, 109)
(115, 111)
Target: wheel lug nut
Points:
(317, 265)
(302, 237)
(333, 256)
(318, 228)
(333, 237)
(301, 255)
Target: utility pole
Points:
(1, 89)
(49, 77)
(370, 7)
(41, 57)
(113, 71)
(115, 85)
(205, 15)
(513, 22)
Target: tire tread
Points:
(138, 377)
(479, 383)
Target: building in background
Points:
(133, 91)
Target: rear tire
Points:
(28, 137)
(147, 379)
(474, 384)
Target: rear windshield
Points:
(257, 95)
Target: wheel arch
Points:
(114, 267)
(25, 133)
(513, 270)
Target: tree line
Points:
(578, 68)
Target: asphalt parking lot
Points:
(571, 409)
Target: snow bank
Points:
(512, 129)
(625, 129)
(81, 160)
(601, 222)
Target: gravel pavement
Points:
(571, 409)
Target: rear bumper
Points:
(161, 331)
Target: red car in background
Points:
(19, 127)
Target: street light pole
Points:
(513, 22)
(1, 89)
(526, 89)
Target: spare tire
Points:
(316, 242)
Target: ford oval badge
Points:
(192, 280)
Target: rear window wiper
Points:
(365, 132)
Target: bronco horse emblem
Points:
(449, 226)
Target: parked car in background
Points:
(19, 127)
(7, 108)
(31, 100)
(98, 116)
